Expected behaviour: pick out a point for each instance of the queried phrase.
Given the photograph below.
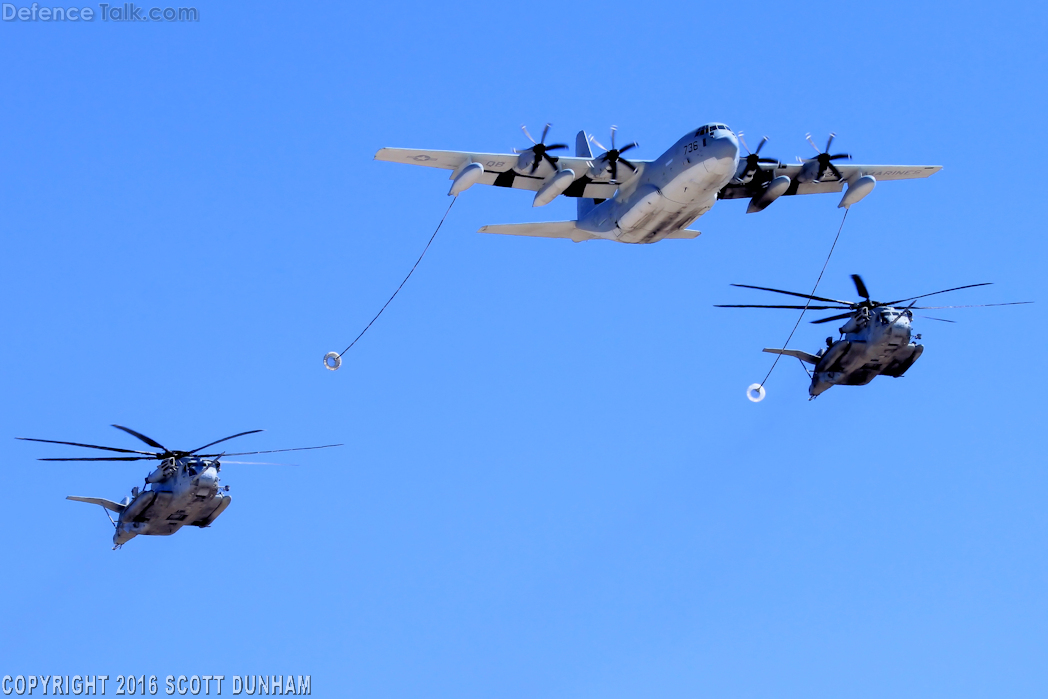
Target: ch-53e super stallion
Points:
(875, 339)
(183, 489)
(644, 201)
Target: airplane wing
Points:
(498, 169)
(829, 183)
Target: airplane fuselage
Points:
(669, 193)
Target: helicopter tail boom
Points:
(803, 356)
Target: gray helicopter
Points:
(875, 340)
(184, 488)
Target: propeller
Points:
(613, 156)
(540, 149)
(158, 456)
(753, 159)
(825, 159)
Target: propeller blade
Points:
(525, 130)
(593, 139)
(545, 131)
(613, 130)
(810, 308)
(614, 169)
(556, 146)
(107, 458)
(89, 446)
(956, 288)
(808, 136)
(839, 156)
(743, 142)
(977, 305)
(627, 147)
(835, 171)
(273, 451)
(827, 320)
(147, 440)
(628, 164)
(760, 145)
(551, 160)
(829, 141)
(222, 440)
(793, 293)
(860, 286)
(767, 160)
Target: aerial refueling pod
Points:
(773, 191)
(464, 178)
(857, 190)
(553, 187)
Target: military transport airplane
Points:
(654, 199)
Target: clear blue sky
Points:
(552, 483)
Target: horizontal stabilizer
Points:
(108, 504)
(555, 229)
(803, 356)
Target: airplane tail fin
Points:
(582, 150)
(554, 229)
(803, 356)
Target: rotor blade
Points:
(956, 288)
(860, 286)
(107, 458)
(977, 305)
(939, 319)
(259, 463)
(757, 305)
(222, 440)
(525, 130)
(827, 320)
(794, 293)
(89, 446)
(147, 440)
(273, 451)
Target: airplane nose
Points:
(722, 154)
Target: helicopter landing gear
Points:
(755, 392)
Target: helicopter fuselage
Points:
(875, 341)
(180, 492)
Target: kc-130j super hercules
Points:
(184, 488)
(875, 339)
(653, 199)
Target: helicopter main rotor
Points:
(163, 455)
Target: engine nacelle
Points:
(775, 189)
(553, 187)
(466, 178)
(857, 190)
